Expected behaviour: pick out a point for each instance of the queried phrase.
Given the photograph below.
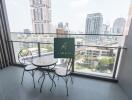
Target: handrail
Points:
(103, 46)
(74, 45)
(30, 42)
(67, 34)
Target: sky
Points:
(72, 11)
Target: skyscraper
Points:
(119, 25)
(105, 29)
(94, 24)
(27, 31)
(41, 16)
(60, 25)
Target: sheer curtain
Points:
(6, 51)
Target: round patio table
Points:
(45, 63)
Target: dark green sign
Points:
(64, 47)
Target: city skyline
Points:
(74, 12)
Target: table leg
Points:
(42, 82)
(41, 76)
(52, 83)
(52, 79)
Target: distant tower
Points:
(41, 16)
(66, 28)
(105, 29)
(60, 25)
(94, 24)
(119, 25)
(62, 30)
(26, 31)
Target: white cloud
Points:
(79, 3)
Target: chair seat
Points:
(62, 71)
(30, 67)
(46, 68)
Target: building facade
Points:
(26, 31)
(62, 30)
(41, 16)
(94, 24)
(119, 25)
(105, 29)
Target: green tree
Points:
(48, 47)
(25, 52)
(78, 56)
(106, 63)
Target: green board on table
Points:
(64, 47)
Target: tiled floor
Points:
(82, 89)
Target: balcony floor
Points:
(82, 89)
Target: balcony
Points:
(102, 65)
(97, 60)
(95, 55)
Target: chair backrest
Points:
(25, 57)
(62, 62)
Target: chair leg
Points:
(40, 77)
(52, 78)
(42, 83)
(66, 81)
(71, 79)
(58, 77)
(33, 78)
(22, 76)
(52, 83)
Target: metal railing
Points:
(81, 49)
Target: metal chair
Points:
(64, 72)
(25, 58)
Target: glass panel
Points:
(46, 49)
(32, 37)
(95, 60)
(18, 46)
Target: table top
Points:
(44, 61)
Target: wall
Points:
(125, 72)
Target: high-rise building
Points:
(105, 29)
(66, 28)
(119, 25)
(41, 16)
(60, 25)
(94, 24)
(62, 30)
(26, 31)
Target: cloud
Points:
(78, 3)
